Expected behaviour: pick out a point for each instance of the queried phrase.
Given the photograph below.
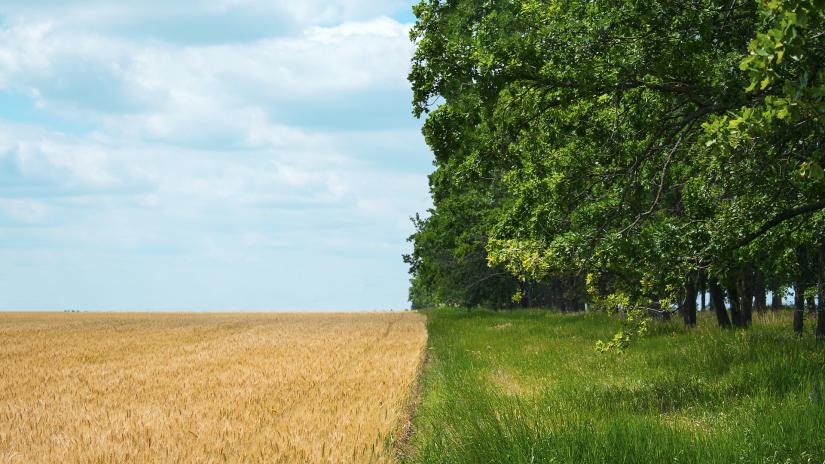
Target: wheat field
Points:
(112, 388)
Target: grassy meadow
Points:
(204, 388)
(524, 387)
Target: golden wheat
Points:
(105, 388)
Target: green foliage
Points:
(642, 143)
(524, 387)
(784, 65)
(449, 261)
(523, 259)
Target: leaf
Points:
(734, 123)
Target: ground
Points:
(498, 387)
(202, 388)
(528, 386)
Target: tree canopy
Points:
(635, 147)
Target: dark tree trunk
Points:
(747, 307)
(689, 305)
(760, 292)
(820, 316)
(736, 316)
(799, 306)
(578, 296)
(561, 295)
(776, 298)
(525, 297)
(809, 275)
(747, 297)
(820, 323)
(717, 299)
(703, 289)
(799, 294)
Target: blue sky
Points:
(216, 155)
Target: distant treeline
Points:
(627, 155)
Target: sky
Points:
(207, 155)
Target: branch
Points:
(489, 276)
(659, 190)
(778, 219)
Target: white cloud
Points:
(167, 91)
(25, 210)
(228, 148)
(200, 21)
(172, 182)
(320, 58)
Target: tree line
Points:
(626, 155)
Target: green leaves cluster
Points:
(784, 64)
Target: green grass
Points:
(504, 387)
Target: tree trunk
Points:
(808, 276)
(525, 298)
(529, 290)
(580, 296)
(702, 287)
(689, 305)
(799, 306)
(776, 298)
(760, 292)
(747, 297)
(717, 299)
(736, 316)
(799, 294)
(820, 316)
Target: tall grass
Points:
(529, 387)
